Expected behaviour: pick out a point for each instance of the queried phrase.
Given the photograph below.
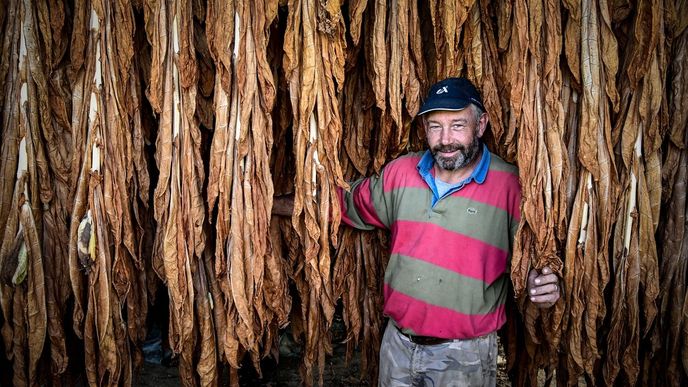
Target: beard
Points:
(463, 158)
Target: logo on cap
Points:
(451, 94)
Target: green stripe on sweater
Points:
(442, 287)
(498, 164)
(457, 214)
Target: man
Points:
(452, 212)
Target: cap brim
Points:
(436, 104)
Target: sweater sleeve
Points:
(365, 205)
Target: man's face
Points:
(453, 137)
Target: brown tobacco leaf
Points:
(207, 362)
(669, 335)
(313, 62)
(358, 277)
(572, 39)
(220, 30)
(20, 338)
(55, 228)
(636, 268)
(491, 73)
(672, 296)
(82, 155)
(222, 149)
(242, 148)
(10, 240)
(90, 340)
(6, 307)
(378, 55)
(593, 216)
(646, 35)
(416, 80)
(544, 170)
(111, 171)
(590, 70)
(356, 10)
(178, 204)
(582, 272)
(35, 296)
(678, 97)
(405, 68)
(356, 132)
(573, 90)
(9, 129)
(448, 18)
(3, 13)
(24, 117)
(636, 260)
(542, 165)
(514, 74)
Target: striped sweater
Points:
(448, 271)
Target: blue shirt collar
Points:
(478, 175)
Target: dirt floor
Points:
(286, 373)
(337, 371)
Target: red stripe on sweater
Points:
(402, 173)
(363, 203)
(458, 252)
(436, 321)
(490, 192)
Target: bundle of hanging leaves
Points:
(143, 142)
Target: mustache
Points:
(448, 148)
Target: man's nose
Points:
(446, 136)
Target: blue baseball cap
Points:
(451, 94)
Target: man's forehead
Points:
(445, 115)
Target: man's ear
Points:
(482, 124)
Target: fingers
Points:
(545, 296)
(542, 278)
(546, 279)
(545, 301)
(532, 274)
(543, 289)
